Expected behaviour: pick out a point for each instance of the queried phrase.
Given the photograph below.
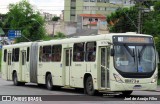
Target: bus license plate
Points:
(137, 87)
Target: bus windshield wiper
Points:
(140, 53)
(129, 51)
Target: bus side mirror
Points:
(112, 52)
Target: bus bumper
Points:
(116, 86)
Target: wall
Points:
(65, 27)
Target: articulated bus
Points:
(115, 62)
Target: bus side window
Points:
(78, 52)
(40, 53)
(27, 54)
(91, 51)
(46, 54)
(15, 55)
(5, 55)
(56, 53)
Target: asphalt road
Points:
(71, 96)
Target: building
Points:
(62, 15)
(90, 21)
(74, 7)
(47, 16)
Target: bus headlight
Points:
(117, 78)
(154, 78)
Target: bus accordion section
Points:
(116, 62)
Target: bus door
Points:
(104, 65)
(23, 65)
(68, 57)
(9, 69)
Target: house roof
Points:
(93, 15)
(1, 31)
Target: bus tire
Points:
(15, 79)
(40, 85)
(22, 83)
(126, 93)
(89, 87)
(49, 83)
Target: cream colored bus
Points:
(120, 62)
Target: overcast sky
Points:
(50, 6)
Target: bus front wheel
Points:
(49, 83)
(15, 79)
(126, 93)
(89, 86)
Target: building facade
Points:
(90, 21)
(74, 7)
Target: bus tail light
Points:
(118, 79)
(154, 78)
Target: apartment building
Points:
(75, 7)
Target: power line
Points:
(129, 18)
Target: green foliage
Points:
(157, 7)
(59, 35)
(1, 24)
(22, 17)
(123, 20)
(2, 16)
(46, 37)
(158, 82)
(55, 18)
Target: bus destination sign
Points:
(132, 39)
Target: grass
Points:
(158, 81)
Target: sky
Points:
(49, 6)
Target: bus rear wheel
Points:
(15, 79)
(126, 93)
(89, 87)
(49, 83)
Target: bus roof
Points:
(78, 39)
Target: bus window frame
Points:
(15, 54)
(58, 53)
(28, 54)
(94, 51)
(5, 55)
(77, 53)
(46, 55)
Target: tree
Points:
(55, 18)
(59, 35)
(2, 18)
(119, 22)
(22, 17)
(1, 24)
(123, 20)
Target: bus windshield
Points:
(136, 59)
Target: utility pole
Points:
(140, 15)
(139, 2)
(139, 19)
(53, 28)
